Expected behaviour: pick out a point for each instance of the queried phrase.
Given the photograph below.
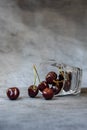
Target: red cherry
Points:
(48, 93)
(61, 76)
(70, 75)
(67, 85)
(56, 89)
(50, 77)
(32, 91)
(43, 85)
(13, 93)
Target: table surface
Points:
(60, 113)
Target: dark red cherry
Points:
(13, 93)
(61, 76)
(43, 85)
(32, 91)
(67, 85)
(70, 75)
(56, 89)
(48, 93)
(50, 77)
(61, 84)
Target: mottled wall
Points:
(37, 31)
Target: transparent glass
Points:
(72, 76)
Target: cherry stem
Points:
(57, 82)
(34, 79)
(36, 73)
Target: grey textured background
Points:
(31, 33)
(38, 31)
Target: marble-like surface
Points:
(60, 113)
(32, 36)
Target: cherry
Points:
(61, 76)
(13, 93)
(57, 86)
(43, 85)
(50, 77)
(67, 85)
(48, 93)
(56, 89)
(32, 91)
(61, 84)
(70, 75)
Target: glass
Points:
(72, 76)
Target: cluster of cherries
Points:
(52, 85)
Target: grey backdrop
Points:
(41, 30)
